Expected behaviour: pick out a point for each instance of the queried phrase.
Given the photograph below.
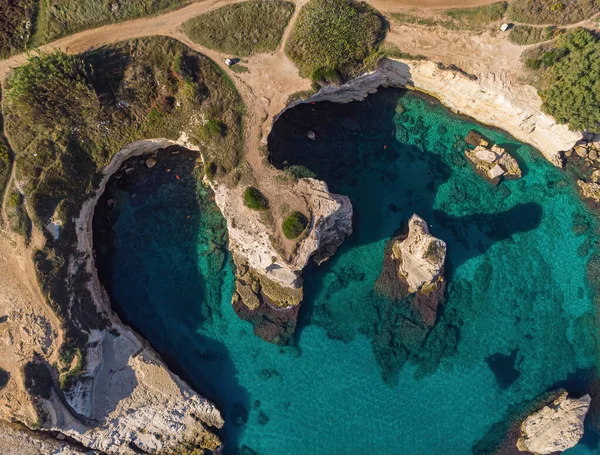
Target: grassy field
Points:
(333, 39)
(555, 12)
(16, 23)
(526, 34)
(391, 50)
(475, 18)
(66, 116)
(242, 29)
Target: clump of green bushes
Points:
(255, 200)
(294, 225)
(16, 17)
(569, 82)
(332, 39)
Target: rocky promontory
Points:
(556, 427)
(421, 257)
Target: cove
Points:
(519, 317)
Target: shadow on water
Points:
(147, 228)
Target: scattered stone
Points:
(494, 163)
(589, 190)
(129, 171)
(421, 256)
(556, 427)
(593, 155)
(311, 135)
(595, 177)
(150, 163)
(581, 151)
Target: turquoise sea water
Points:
(518, 319)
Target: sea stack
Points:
(421, 257)
(556, 427)
(491, 163)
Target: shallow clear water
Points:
(517, 285)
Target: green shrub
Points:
(242, 29)
(213, 128)
(16, 23)
(525, 34)
(294, 225)
(300, 172)
(551, 11)
(18, 220)
(210, 170)
(255, 200)
(478, 16)
(392, 51)
(334, 36)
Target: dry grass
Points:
(555, 12)
(242, 29)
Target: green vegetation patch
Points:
(474, 18)
(391, 50)
(254, 199)
(554, 12)
(57, 18)
(18, 219)
(242, 29)
(526, 34)
(334, 38)
(294, 225)
(478, 16)
(16, 24)
(569, 79)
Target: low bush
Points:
(294, 225)
(557, 12)
(16, 24)
(242, 29)
(18, 220)
(392, 51)
(300, 172)
(478, 16)
(526, 34)
(255, 200)
(334, 37)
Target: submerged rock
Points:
(556, 427)
(494, 163)
(150, 162)
(421, 256)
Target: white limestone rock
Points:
(589, 190)
(494, 163)
(421, 256)
(556, 427)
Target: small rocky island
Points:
(492, 163)
(421, 257)
(556, 427)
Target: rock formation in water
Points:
(269, 283)
(556, 427)
(421, 257)
(492, 163)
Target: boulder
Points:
(150, 162)
(581, 151)
(589, 190)
(556, 427)
(421, 256)
(494, 163)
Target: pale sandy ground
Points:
(31, 327)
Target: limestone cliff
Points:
(556, 427)
(516, 109)
(421, 256)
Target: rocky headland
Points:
(556, 427)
